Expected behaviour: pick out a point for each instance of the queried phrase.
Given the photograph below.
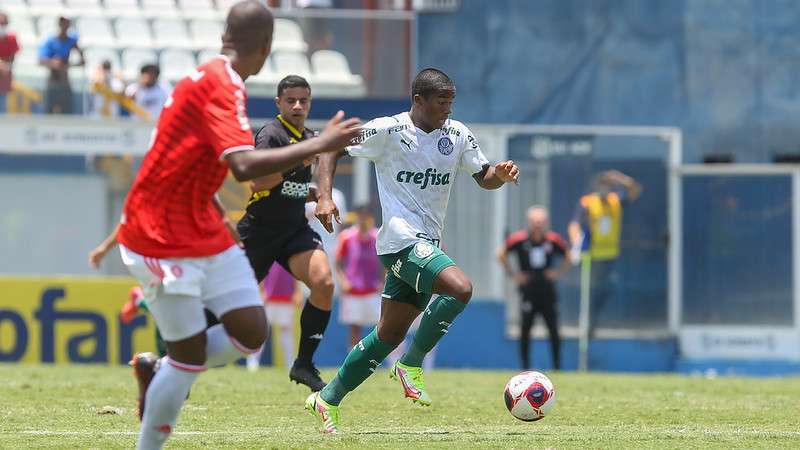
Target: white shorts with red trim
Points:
(362, 310)
(280, 314)
(178, 289)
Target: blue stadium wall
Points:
(727, 72)
(477, 340)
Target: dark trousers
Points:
(602, 288)
(58, 97)
(543, 303)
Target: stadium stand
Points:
(95, 31)
(46, 7)
(176, 64)
(159, 8)
(199, 9)
(96, 55)
(332, 67)
(26, 31)
(171, 33)
(122, 8)
(288, 36)
(84, 8)
(15, 7)
(134, 58)
(176, 34)
(134, 32)
(206, 33)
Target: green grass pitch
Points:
(63, 407)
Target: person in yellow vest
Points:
(595, 231)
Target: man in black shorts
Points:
(536, 250)
(275, 228)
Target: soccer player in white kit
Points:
(417, 155)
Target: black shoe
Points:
(144, 368)
(306, 373)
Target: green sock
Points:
(360, 363)
(436, 319)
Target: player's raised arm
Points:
(492, 177)
(246, 165)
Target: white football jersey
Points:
(415, 172)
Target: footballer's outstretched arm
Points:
(326, 208)
(246, 165)
(98, 253)
(492, 177)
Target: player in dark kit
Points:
(275, 227)
(536, 250)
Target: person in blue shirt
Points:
(54, 54)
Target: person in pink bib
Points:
(360, 274)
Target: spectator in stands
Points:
(536, 251)
(595, 232)
(8, 48)
(149, 92)
(54, 54)
(107, 87)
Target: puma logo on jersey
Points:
(428, 178)
(402, 141)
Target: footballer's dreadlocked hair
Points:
(431, 81)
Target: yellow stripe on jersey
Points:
(297, 134)
(258, 196)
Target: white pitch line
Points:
(679, 431)
(125, 433)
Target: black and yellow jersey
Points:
(285, 203)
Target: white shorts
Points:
(280, 314)
(361, 310)
(178, 289)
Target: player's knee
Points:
(250, 330)
(252, 339)
(323, 285)
(462, 291)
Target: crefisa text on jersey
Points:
(429, 178)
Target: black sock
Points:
(313, 322)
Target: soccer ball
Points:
(530, 396)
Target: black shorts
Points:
(265, 245)
(542, 295)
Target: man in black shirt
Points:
(275, 228)
(536, 250)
